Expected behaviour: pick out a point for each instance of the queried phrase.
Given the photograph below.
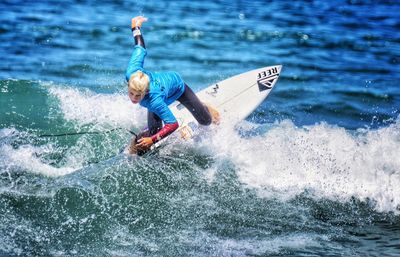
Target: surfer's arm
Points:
(137, 34)
(136, 62)
(139, 52)
(162, 110)
(165, 131)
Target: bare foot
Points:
(216, 118)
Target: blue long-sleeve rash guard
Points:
(164, 89)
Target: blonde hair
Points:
(139, 82)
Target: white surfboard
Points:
(234, 98)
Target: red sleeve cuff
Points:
(165, 131)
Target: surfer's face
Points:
(135, 96)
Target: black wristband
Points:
(136, 32)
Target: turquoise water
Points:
(314, 171)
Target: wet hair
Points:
(139, 82)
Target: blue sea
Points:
(314, 171)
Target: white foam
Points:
(24, 158)
(7, 132)
(271, 246)
(86, 107)
(82, 107)
(326, 160)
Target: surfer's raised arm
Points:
(137, 34)
(139, 52)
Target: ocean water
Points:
(314, 171)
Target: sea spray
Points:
(326, 160)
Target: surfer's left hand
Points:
(145, 142)
(137, 21)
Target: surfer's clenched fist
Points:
(137, 21)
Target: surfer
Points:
(157, 90)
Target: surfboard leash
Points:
(86, 132)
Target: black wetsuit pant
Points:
(191, 102)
